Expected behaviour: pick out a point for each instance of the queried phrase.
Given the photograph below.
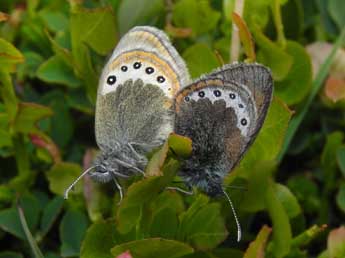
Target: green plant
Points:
(51, 55)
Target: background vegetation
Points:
(51, 55)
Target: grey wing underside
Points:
(134, 113)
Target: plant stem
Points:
(317, 83)
(278, 23)
(235, 37)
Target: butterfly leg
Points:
(127, 165)
(119, 187)
(188, 192)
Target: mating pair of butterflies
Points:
(145, 93)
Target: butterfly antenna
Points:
(77, 180)
(239, 232)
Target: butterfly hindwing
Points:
(222, 118)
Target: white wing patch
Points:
(232, 99)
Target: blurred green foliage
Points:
(51, 55)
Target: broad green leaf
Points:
(288, 200)
(306, 191)
(6, 194)
(196, 15)
(72, 231)
(9, 56)
(8, 95)
(142, 192)
(9, 218)
(258, 182)
(31, 64)
(336, 242)
(55, 20)
(155, 164)
(257, 13)
(5, 138)
(272, 55)
(341, 197)
(281, 226)
(153, 247)
(133, 13)
(336, 9)
(164, 224)
(50, 214)
(182, 146)
(328, 157)
(341, 159)
(296, 85)
(271, 134)
(99, 239)
(54, 70)
(256, 248)
(200, 59)
(28, 115)
(10, 254)
(61, 176)
(228, 8)
(206, 229)
(94, 27)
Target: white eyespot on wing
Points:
(148, 73)
(232, 99)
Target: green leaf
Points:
(56, 21)
(28, 115)
(50, 213)
(288, 200)
(328, 157)
(336, 242)
(200, 59)
(8, 95)
(182, 146)
(9, 218)
(296, 85)
(257, 247)
(99, 239)
(256, 13)
(72, 231)
(31, 64)
(271, 134)
(94, 27)
(336, 9)
(271, 55)
(164, 224)
(9, 56)
(142, 192)
(10, 255)
(54, 70)
(341, 197)
(155, 164)
(61, 176)
(145, 12)
(196, 15)
(281, 226)
(153, 247)
(341, 159)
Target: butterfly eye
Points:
(149, 70)
(217, 93)
(232, 96)
(111, 79)
(137, 65)
(186, 98)
(124, 68)
(160, 79)
(201, 94)
(240, 106)
(243, 121)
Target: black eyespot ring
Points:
(232, 96)
(243, 121)
(160, 79)
(111, 79)
(186, 98)
(201, 94)
(137, 65)
(217, 93)
(149, 70)
(240, 106)
(124, 68)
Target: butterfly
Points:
(145, 93)
(222, 113)
(134, 104)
